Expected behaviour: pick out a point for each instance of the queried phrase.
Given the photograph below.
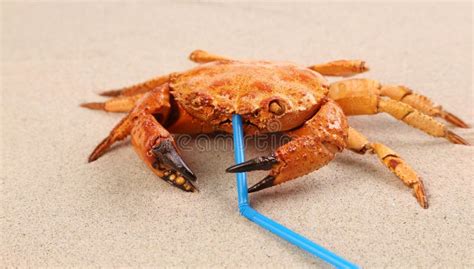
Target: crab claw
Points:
(167, 156)
(267, 182)
(259, 163)
(155, 145)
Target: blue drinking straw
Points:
(268, 224)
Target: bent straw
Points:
(268, 224)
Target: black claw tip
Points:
(166, 155)
(263, 184)
(260, 163)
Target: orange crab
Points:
(306, 107)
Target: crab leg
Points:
(341, 68)
(359, 144)
(120, 132)
(421, 102)
(139, 88)
(156, 101)
(362, 97)
(201, 56)
(116, 104)
(312, 146)
(415, 118)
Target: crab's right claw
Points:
(176, 172)
(166, 155)
(155, 145)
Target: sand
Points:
(58, 210)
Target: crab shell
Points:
(270, 96)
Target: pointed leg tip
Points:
(455, 120)
(462, 124)
(92, 158)
(110, 93)
(420, 194)
(456, 139)
(423, 202)
(364, 67)
(93, 105)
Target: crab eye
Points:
(276, 107)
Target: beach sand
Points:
(58, 210)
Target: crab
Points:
(306, 108)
